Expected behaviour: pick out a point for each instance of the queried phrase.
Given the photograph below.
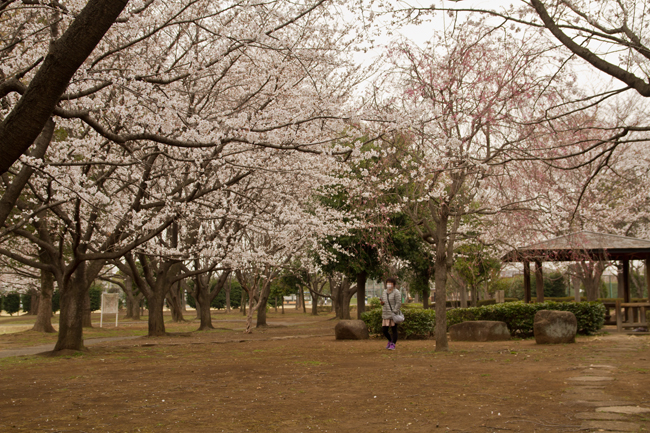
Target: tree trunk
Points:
(73, 294)
(361, 293)
(440, 330)
(314, 303)
(87, 318)
(302, 300)
(44, 315)
(474, 290)
(203, 298)
(282, 303)
(175, 303)
(276, 304)
(620, 289)
(135, 307)
(441, 268)
(34, 298)
(156, 316)
(228, 297)
(462, 292)
(261, 308)
(243, 303)
(539, 281)
(129, 306)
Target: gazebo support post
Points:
(647, 277)
(626, 280)
(539, 281)
(526, 282)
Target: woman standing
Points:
(391, 301)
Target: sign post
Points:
(110, 305)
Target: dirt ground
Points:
(295, 377)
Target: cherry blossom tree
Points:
(464, 98)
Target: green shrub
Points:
(373, 303)
(95, 294)
(483, 302)
(26, 301)
(418, 323)
(520, 317)
(11, 303)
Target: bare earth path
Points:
(297, 378)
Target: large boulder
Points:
(351, 330)
(555, 327)
(480, 330)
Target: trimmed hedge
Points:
(418, 323)
(518, 316)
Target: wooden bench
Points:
(631, 315)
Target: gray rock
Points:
(480, 330)
(351, 330)
(555, 327)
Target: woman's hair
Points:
(391, 280)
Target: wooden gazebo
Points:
(582, 246)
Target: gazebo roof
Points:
(581, 246)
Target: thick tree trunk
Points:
(72, 299)
(44, 315)
(34, 298)
(135, 307)
(282, 303)
(302, 300)
(228, 298)
(203, 298)
(175, 303)
(156, 316)
(361, 293)
(129, 307)
(261, 309)
(87, 318)
(314, 304)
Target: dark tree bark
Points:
(175, 303)
(314, 303)
(243, 303)
(228, 288)
(205, 297)
(44, 316)
(87, 318)
(73, 293)
(33, 302)
(11, 194)
(589, 274)
(156, 323)
(539, 281)
(264, 299)
(361, 293)
(26, 121)
(342, 293)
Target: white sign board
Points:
(110, 305)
